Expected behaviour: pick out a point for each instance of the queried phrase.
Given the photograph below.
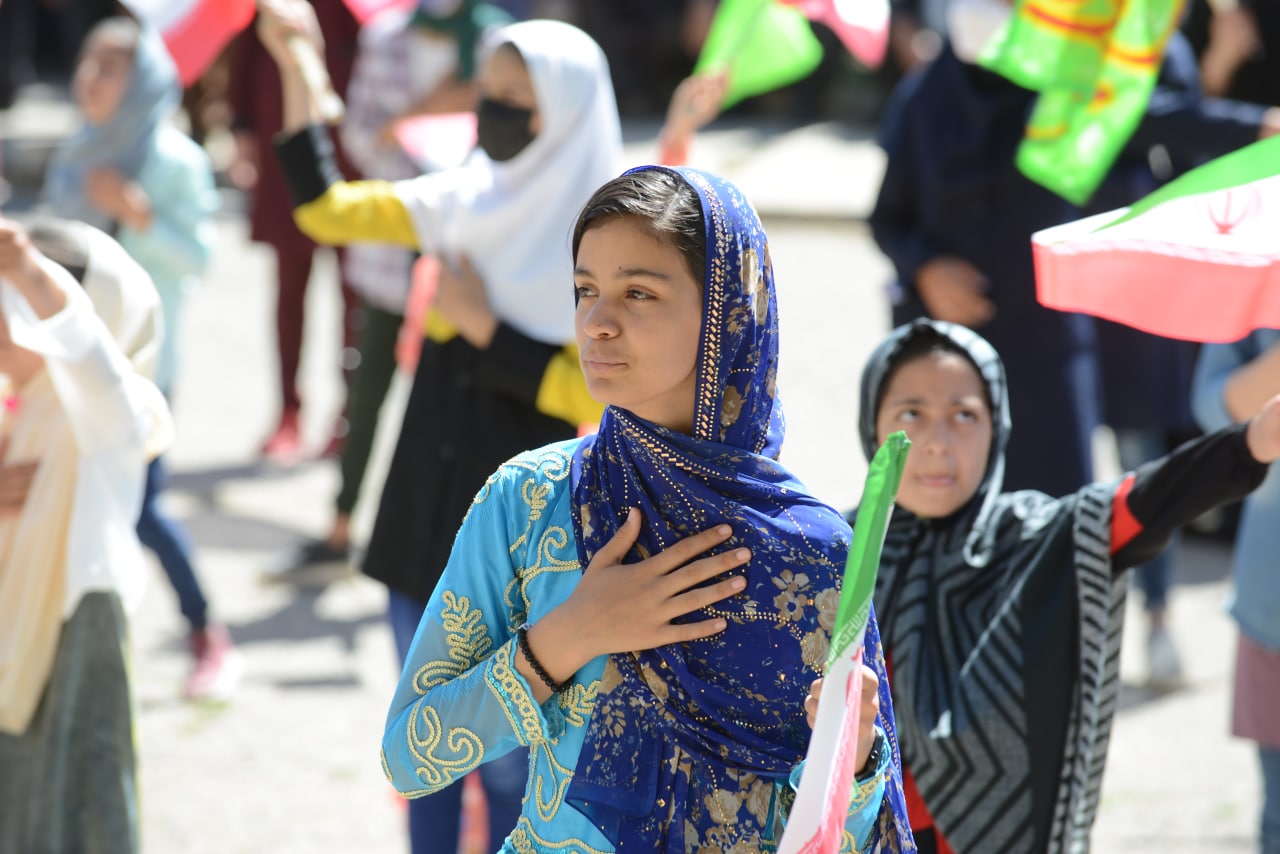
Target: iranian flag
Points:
(195, 31)
(861, 25)
(1198, 259)
(816, 823)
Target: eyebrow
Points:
(916, 401)
(627, 273)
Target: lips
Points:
(601, 364)
(936, 481)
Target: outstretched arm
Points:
(327, 209)
(1213, 470)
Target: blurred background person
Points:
(255, 106)
(129, 171)
(1231, 383)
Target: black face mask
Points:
(501, 130)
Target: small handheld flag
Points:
(763, 46)
(816, 823)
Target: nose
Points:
(932, 438)
(598, 319)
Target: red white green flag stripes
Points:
(195, 31)
(1198, 259)
(816, 823)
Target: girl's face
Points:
(939, 400)
(638, 321)
(102, 77)
(504, 78)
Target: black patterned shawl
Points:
(1002, 625)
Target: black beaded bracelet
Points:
(522, 641)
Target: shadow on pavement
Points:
(211, 526)
(216, 530)
(204, 482)
(299, 619)
(1134, 695)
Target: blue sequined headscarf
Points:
(714, 722)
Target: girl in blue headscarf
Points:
(132, 174)
(646, 608)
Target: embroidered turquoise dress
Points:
(461, 701)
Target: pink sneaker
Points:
(218, 666)
(284, 446)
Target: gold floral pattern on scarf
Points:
(738, 791)
(730, 409)
(793, 598)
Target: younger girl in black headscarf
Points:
(1000, 612)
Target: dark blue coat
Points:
(951, 188)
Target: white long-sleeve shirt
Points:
(117, 418)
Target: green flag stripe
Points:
(883, 477)
(1244, 166)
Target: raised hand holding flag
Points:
(760, 45)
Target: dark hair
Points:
(664, 201)
(927, 341)
(62, 242)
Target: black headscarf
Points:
(1002, 626)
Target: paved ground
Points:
(291, 765)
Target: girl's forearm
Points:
(560, 653)
(301, 104)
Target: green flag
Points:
(762, 44)
(863, 563)
(1094, 63)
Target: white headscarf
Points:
(513, 219)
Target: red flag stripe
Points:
(1168, 290)
(196, 39)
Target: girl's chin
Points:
(929, 509)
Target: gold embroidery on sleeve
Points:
(526, 841)
(510, 690)
(467, 638)
(577, 702)
(558, 779)
(425, 736)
